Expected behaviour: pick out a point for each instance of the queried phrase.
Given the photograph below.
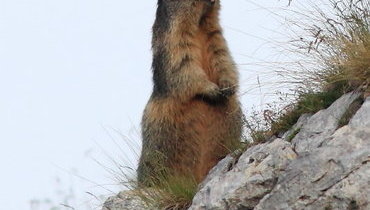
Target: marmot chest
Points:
(205, 56)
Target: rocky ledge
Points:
(321, 163)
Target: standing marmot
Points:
(193, 118)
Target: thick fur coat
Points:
(193, 118)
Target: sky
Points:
(75, 75)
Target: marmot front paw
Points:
(213, 95)
(227, 87)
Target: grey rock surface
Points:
(362, 116)
(322, 124)
(222, 167)
(314, 178)
(297, 127)
(350, 193)
(125, 200)
(251, 178)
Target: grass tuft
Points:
(331, 52)
(339, 44)
(306, 103)
(278, 121)
(336, 42)
(174, 192)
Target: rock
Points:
(297, 127)
(126, 200)
(326, 172)
(362, 117)
(252, 177)
(222, 167)
(322, 124)
(351, 193)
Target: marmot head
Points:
(196, 9)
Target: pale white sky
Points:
(72, 69)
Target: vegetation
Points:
(167, 190)
(333, 50)
(174, 192)
(331, 44)
(342, 45)
(281, 120)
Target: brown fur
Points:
(193, 118)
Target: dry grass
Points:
(171, 190)
(166, 191)
(175, 192)
(327, 55)
(336, 40)
(347, 44)
(277, 120)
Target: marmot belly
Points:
(191, 137)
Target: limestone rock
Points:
(362, 116)
(317, 179)
(252, 177)
(125, 200)
(322, 124)
(297, 127)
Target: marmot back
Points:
(193, 118)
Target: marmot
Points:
(193, 118)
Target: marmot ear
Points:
(160, 2)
